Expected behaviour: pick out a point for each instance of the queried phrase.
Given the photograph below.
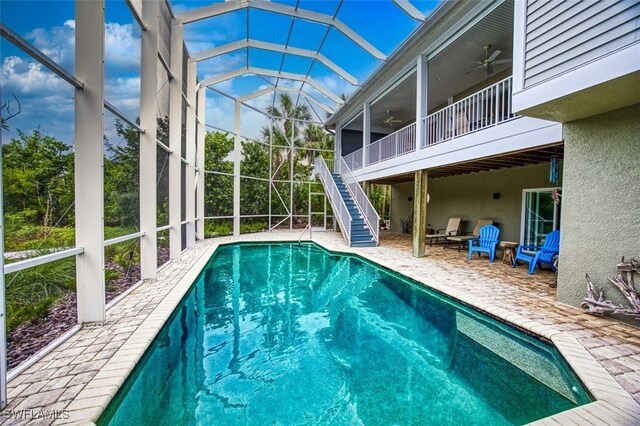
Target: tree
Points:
(122, 179)
(315, 140)
(254, 193)
(218, 189)
(283, 130)
(38, 178)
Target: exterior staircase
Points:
(361, 235)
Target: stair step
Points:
(367, 244)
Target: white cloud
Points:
(58, 43)
(23, 77)
(121, 45)
(221, 64)
(124, 93)
(336, 84)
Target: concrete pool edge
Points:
(613, 405)
(92, 401)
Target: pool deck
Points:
(79, 377)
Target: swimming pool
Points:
(293, 334)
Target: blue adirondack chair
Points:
(535, 255)
(486, 243)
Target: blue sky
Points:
(47, 101)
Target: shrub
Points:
(31, 292)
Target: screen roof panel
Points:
(323, 47)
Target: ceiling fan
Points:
(488, 61)
(390, 120)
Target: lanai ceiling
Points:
(449, 70)
(514, 159)
(253, 50)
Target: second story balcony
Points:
(451, 103)
(484, 109)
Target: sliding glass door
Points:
(540, 214)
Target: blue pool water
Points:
(291, 334)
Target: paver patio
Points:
(82, 374)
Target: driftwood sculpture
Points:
(623, 280)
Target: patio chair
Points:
(452, 229)
(463, 239)
(535, 255)
(461, 123)
(486, 243)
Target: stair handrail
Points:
(360, 197)
(340, 210)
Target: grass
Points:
(220, 229)
(31, 237)
(30, 293)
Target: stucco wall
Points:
(601, 200)
(400, 204)
(471, 196)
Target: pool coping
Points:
(612, 405)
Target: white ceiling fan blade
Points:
(502, 61)
(494, 55)
(473, 69)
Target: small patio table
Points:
(509, 248)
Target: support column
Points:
(237, 153)
(200, 164)
(422, 78)
(419, 212)
(291, 154)
(337, 142)
(3, 306)
(148, 110)
(366, 132)
(366, 187)
(190, 175)
(175, 142)
(89, 186)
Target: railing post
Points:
(496, 97)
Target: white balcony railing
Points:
(340, 210)
(486, 108)
(397, 143)
(371, 217)
(354, 160)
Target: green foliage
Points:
(30, 292)
(110, 276)
(38, 178)
(380, 197)
(218, 189)
(218, 228)
(254, 194)
(18, 314)
(32, 237)
(253, 226)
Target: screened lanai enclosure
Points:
(133, 128)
